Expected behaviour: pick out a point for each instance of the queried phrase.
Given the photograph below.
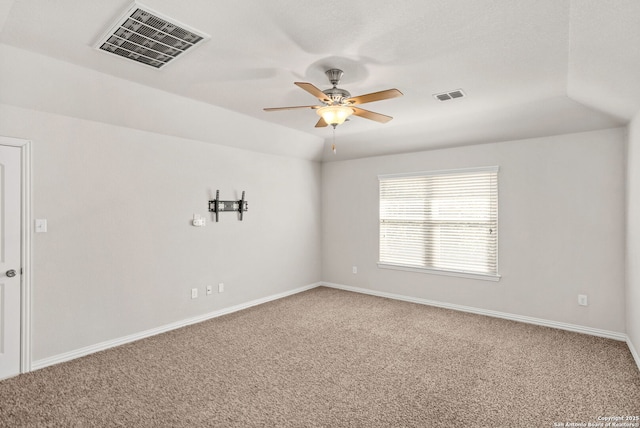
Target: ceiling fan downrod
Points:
(334, 75)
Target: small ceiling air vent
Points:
(451, 95)
(149, 38)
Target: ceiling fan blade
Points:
(374, 96)
(289, 108)
(321, 123)
(314, 91)
(382, 118)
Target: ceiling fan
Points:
(338, 104)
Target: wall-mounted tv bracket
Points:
(216, 206)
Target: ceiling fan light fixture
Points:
(334, 115)
(338, 104)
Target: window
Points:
(442, 222)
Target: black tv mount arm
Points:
(216, 206)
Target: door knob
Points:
(11, 273)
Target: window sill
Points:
(481, 276)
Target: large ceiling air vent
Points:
(149, 38)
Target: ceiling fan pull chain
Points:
(333, 146)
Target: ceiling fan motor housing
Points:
(337, 95)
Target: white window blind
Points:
(445, 221)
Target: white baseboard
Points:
(634, 353)
(67, 356)
(513, 317)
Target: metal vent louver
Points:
(149, 38)
(446, 96)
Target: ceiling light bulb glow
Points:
(335, 115)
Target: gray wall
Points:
(561, 228)
(120, 255)
(633, 234)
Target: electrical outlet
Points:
(354, 269)
(209, 289)
(221, 287)
(194, 293)
(583, 300)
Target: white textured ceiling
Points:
(529, 68)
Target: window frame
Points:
(430, 269)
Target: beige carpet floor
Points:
(331, 358)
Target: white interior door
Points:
(10, 269)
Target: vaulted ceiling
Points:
(528, 68)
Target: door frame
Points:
(25, 248)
